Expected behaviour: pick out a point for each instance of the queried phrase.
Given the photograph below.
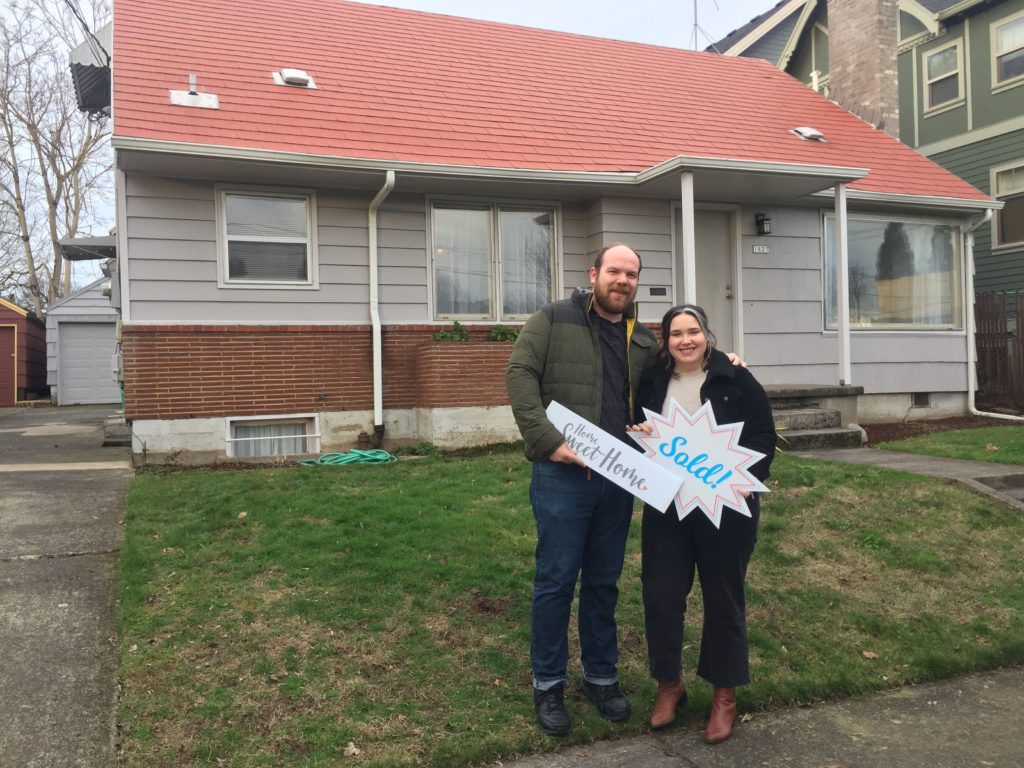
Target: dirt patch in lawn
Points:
(883, 433)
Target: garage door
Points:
(84, 360)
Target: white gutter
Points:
(916, 200)
(972, 352)
(378, 373)
(775, 168)
(831, 173)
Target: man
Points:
(586, 352)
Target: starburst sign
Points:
(708, 455)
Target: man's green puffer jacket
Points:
(558, 357)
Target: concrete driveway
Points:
(61, 502)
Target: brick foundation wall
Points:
(196, 371)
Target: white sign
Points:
(707, 455)
(761, 249)
(614, 459)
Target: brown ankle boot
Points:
(671, 697)
(723, 713)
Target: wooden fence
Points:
(999, 336)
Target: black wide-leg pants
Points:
(672, 549)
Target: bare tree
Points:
(54, 160)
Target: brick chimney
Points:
(862, 60)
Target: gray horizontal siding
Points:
(575, 259)
(645, 225)
(173, 278)
(783, 315)
(172, 257)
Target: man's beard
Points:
(607, 300)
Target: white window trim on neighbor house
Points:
(927, 82)
(310, 436)
(956, 297)
(1015, 192)
(308, 196)
(495, 287)
(997, 84)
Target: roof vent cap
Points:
(809, 134)
(298, 78)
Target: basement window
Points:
(265, 436)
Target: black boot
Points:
(608, 700)
(550, 708)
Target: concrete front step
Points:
(116, 432)
(817, 439)
(792, 419)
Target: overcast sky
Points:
(660, 22)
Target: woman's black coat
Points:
(735, 395)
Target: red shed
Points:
(22, 354)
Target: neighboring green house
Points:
(945, 77)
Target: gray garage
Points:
(81, 341)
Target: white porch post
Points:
(689, 243)
(843, 287)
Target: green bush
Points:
(456, 333)
(502, 333)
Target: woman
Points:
(690, 370)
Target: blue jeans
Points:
(582, 526)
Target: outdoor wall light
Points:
(763, 224)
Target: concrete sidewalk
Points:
(61, 502)
(972, 721)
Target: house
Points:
(22, 354)
(81, 348)
(946, 77)
(298, 213)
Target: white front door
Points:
(715, 260)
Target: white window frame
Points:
(958, 73)
(312, 436)
(224, 280)
(494, 287)
(959, 295)
(993, 173)
(998, 85)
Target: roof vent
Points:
(193, 97)
(809, 134)
(297, 78)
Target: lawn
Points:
(1004, 445)
(292, 616)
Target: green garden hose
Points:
(352, 457)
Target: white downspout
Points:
(378, 373)
(972, 350)
(842, 288)
(689, 238)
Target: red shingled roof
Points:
(403, 85)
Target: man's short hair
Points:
(599, 259)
